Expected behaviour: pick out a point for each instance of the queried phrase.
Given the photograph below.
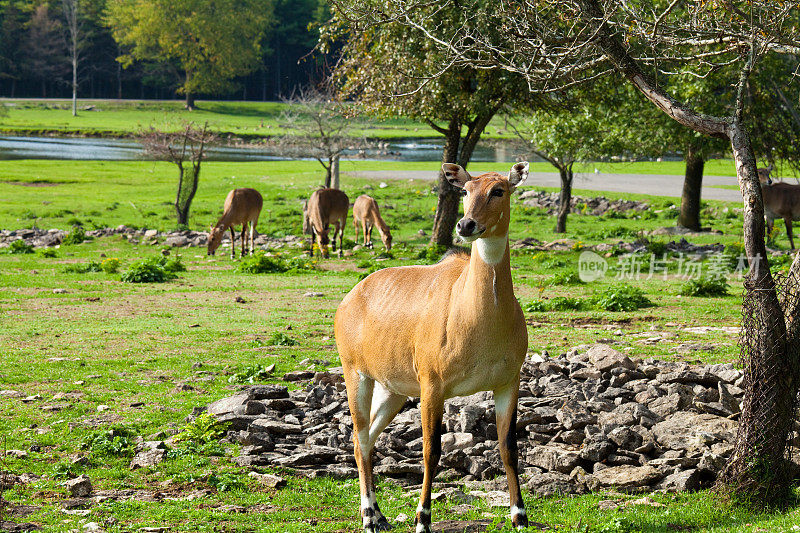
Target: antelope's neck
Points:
(490, 270)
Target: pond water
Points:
(80, 148)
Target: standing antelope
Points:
(325, 207)
(434, 332)
(781, 200)
(366, 211)
(242, 206)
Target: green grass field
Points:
(97, 341)
(124, 118)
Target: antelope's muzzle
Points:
(468, 227)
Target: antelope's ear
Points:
(518, 173)
(456, 175)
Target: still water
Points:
(410, 149)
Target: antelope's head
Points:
(214, 239)
(386, 237)
(763, 176)
(487, 203)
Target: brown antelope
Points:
(434, 332)
(365, 210)
(242, 206)
(325, 207)
(781, 200)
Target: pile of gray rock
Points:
(580, 204)
(41, 238)
(591, 418)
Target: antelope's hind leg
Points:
(505, 403)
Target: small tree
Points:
(75, 40)
(321, 129)
(186, 145)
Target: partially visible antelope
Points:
(242, 206)
(781, 200)
(326, 207)
(365, 210)
(434, 332)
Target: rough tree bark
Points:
(564, 197)
(689, 217)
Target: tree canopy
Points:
(209, 41)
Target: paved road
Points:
(656, 184)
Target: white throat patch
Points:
(492, 249)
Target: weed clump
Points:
(566, 278)
(20, 247)
(157, 269)
(706, 287)
(76, 236)
(48, 252)
(262, 264)
(204, 429)
(280, 338)
(432, 253)
(250, 374)
(621, 297)
(115, 442)
(91, 266)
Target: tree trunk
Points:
(689, 216)
(182, 215)
(756, 469)
(449, 197)
(757, 465)
(335, 172)
(564, 197)
(74, 83)
(328, 174)
(189, 101)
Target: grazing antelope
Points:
(242, 206)
(325, 207)
(434, 332)
(365, 210)
(781, 200)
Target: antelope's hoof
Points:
(383, 524)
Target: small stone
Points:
(268, 480)
(604, 358)
(79, 487)
(101, 408)
(313, 295)
(59, 291)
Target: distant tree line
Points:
(159, 49)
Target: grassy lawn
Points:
(123, 118)
(102, 353)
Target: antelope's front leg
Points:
(505, 405)
(432, 408)
(233, 243)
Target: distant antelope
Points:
(242, 206)
(365, 210)
(325, 207)
(781, 200)
(434, 332)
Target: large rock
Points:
(148, 458)
(233, 404)
(573, 415)
(551, 484)
(79, 487)
(554, 457)
(604, 357)
(624, 477)
(692, 431)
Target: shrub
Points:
(614, 232)
(156, 269)
(657, 248)
(20, 247)
(48, 252)
(706, 286)
(538, 306)
(225, 481)
(565, 303)
(110, 265)
(565, 278)
(621, 298)
(76, 236)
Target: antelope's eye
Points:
(497, 192)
